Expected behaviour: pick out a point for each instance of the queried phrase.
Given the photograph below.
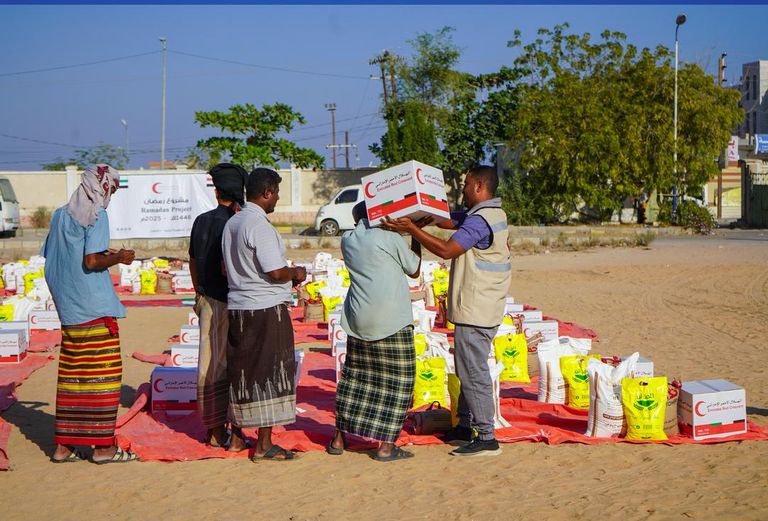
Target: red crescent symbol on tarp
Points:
(367, 193)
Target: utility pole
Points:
(163, 42)
(124, 122)
(386, 60)
(720, 81)
(346, 146)
(332, 109)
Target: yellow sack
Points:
(162, 264)
(29, 280)
(512, 351)
(439, 288)
(574, 371)
(429, 385)
(454, 389)
(344, 278)
(419, 343)
(6, 312)
(644, 401)
(314, 287)
(148, 281)
(442, 274)
(329, 304)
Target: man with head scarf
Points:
(77, 262)
(211, 288)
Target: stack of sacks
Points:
(606, 415)
(552, 385)
(128, 273)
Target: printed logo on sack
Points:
(157, 386)
(697, 411)
(427, 376)
(511, 352)
(581, 376)
(156, 188)
(645, 404)
(367, 189)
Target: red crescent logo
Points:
(366, 190)
(154, 187)
(33, 319)
(157, 385)
(183, 338)
(418, 177)
(175, 361)
(696, 409)
(339, 334)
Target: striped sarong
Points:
(88, 389)
(212, 382)
(261, 367)
(376, 386)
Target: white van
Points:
(337, 215)
(9, 209)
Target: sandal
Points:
(396, 454)
(273, 453)
(227, 441)
(121, 456)
(337, 451)
(74, 456)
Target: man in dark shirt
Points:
(205, 265)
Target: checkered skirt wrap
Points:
(376, 386)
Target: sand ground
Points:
(697, 307)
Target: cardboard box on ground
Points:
(410, 189)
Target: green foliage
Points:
(689, 215)
(253, 137)
(409, 137)
(41, 218)
(99, 154)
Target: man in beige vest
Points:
(479, 281)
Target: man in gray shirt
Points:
(260, 355)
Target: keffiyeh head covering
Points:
(96, 186)
(229, 180)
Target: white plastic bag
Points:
(606, 415)
(552, 386)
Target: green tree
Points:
(253, 136)
(83, 157)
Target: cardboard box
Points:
(712, 409)
(193, 319)
(189, 335)
(184, 355)
(549, 329)
(334, 318)
(47, 320)
(13, 346)
(182, 283)
(410, 189)
(14, 325)
(339, 353)
(338, 335)
(174, 390)
(514, 309)
(643, 367)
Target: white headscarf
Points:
(94, 193)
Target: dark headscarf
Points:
(230, 181)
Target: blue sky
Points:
(82, 106)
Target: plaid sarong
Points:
(212, 382)
(376, 386)
(261, 367)
(88, 389)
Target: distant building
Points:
(754, 99)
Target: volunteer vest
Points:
(480, 278)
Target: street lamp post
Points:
(164, 43)
(125, 127)
(680, 20)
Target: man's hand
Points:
(125, 256)
(401, 225)
(299, 275)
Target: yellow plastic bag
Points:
(439, 288)
(644, 401)
(148, 281)
(419, 343)
(6, 312)
(29, 280)
(442, 274)
(512, 351)
(162, 264)
(314, 287)
(574, 371)
(454, 389)
(329, 304)
(344, 278)
(429, 385)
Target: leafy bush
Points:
(41, 218)
(689, 215)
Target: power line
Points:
(270, 67)
(61, 67)
(39, 141)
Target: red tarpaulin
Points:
(169, 438)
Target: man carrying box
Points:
(77, 265)
(205, 267)
(479, 281)
(261, 361)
